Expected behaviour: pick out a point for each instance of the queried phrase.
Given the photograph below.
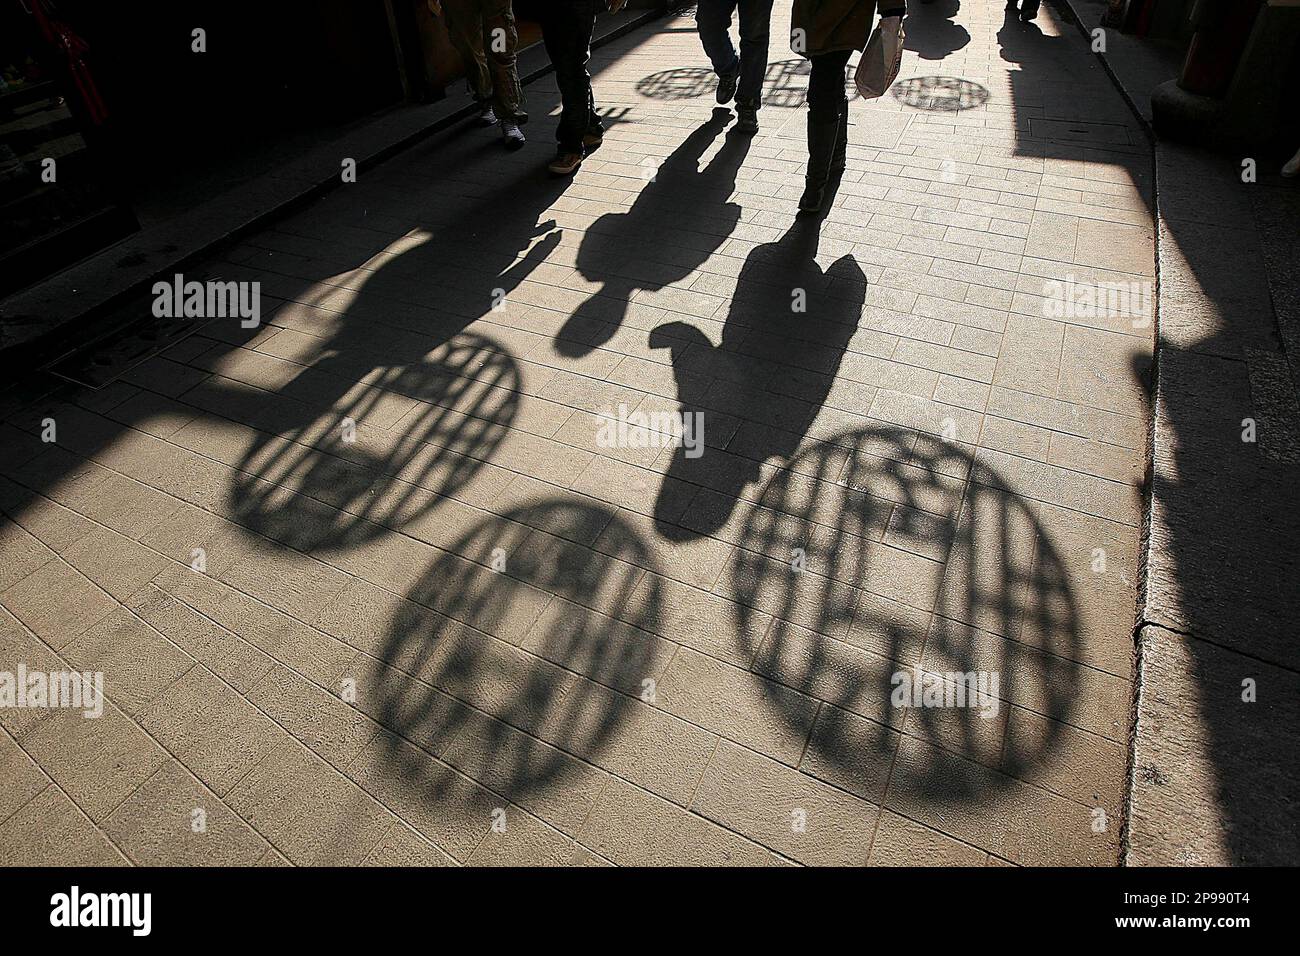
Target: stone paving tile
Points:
(52, 831)
(631, 827)
(214, 731)
(308, 810)
(24, 780)
(172, 820)
(611, 646)
(903, 842)
(795, 814)
(98, 762)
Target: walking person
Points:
(740, 76)
(829, 31)
(567, 26)
(484, 34)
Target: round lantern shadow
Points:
(515, 673)
(363, 467)
(906, 558)
(940, 93)
(785, 84)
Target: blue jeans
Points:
(713, 19)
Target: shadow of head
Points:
(381, 457)
(931, 32)
(922, 600)
(1020, 41)
(786, 332)
(680, 217)
(498, 662)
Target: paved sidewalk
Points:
(441, 619)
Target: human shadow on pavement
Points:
(680, 217)
(931, 32)
(784, 339)
(398, 405)
(497, 663)
(893, 559)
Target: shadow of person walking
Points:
(678, 220)
(931, 32)
(782, 344)
(370, 340)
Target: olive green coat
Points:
(829, 25)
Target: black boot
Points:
(839, 159)
(821, 150)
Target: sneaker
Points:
(592, 139)
(512, 134)
(727, 87)
(1292, 168)
(565, 163)
(487, 116)
(747, 119)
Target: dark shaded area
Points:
(931, 32)
(375, 351)
(1223, 569)
(472, 385)
(1227, 575)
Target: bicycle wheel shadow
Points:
(924, 602)
(500, 664)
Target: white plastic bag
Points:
(881, 59)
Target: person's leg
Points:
(566, 31)
(465, 29)
(501, 38)
(593, 129)
(755, 29)
(826, 85)
(825, 101)
(713, 22)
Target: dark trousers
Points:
(713, 20)
(474, 26)
(826, 85)
(566, 31)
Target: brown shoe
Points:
(565, 163)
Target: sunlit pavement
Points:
(399, 577)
